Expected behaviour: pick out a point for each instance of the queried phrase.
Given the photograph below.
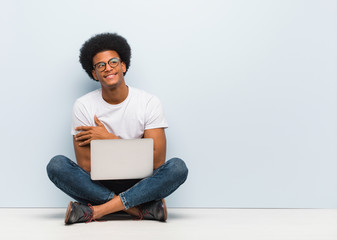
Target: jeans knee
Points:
(55, 165)
(180, 169)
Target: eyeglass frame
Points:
(94, 66)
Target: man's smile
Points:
(110, 75)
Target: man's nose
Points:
(108, 67)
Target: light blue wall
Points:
(248, 87)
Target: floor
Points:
(229, 224)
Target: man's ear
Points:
(123, 67)
(94, 75)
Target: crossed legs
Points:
(76, 183)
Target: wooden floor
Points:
(187, 224)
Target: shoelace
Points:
(142, 213)
(89, 217)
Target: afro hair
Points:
(104, 42)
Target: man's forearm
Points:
(82, 155)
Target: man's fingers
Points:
(98, 122)
(81, 144)
(84, 137)
(83, 128)
(82, 134)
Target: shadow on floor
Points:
(114, 216)
(117, 216)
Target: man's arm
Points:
(159, 145)
(82, 142)
(82, 155)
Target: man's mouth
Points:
(110, 76)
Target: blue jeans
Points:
(76, 182)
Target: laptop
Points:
(113, 159)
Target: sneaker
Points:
(154, 210)
(77, 213)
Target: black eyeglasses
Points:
(101, 66)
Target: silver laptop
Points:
(113, 159)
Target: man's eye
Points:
(100, 65)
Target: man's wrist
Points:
(113, 136)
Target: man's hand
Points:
(89, 133)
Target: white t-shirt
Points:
(128, 120)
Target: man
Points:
(111, 112)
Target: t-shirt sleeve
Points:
(80, 117)
(154, 115)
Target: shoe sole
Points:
(68, 212)
(165, 210)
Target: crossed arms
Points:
(82, 140)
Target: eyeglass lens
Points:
(113, 62)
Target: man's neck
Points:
(115, 95)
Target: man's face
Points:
(110, 77)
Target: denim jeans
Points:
(76, 183)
